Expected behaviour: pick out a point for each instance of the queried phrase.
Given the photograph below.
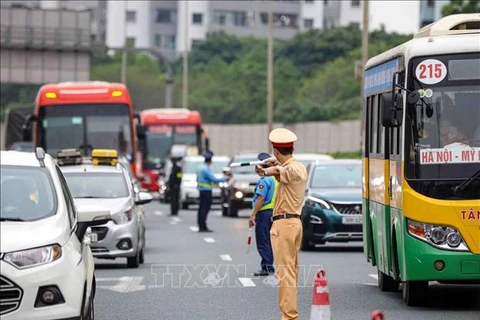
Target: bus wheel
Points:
(386, 283)
(415, 293)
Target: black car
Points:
(332, 209)
(238, 192)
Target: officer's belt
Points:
(285, 216)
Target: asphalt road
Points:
(191, 275)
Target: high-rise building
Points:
(169, 26)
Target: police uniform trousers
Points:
(204, 208)
(174, 200)
(263, 224)
(286, 236)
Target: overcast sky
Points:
(399, 16)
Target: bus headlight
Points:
(442, 237)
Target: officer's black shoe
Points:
(261, 273)
(205, 230)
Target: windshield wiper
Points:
(11, 219)
(89, 197)
(466, 183)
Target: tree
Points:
(461, 6)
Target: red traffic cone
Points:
(321, 299)
(378, 315)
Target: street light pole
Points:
(364, 61)
(124, 52)
(270, 71)
(185, 59)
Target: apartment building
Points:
(97, 7)
(431, 10)
(169, 26)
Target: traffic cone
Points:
(321, 299)
(378, 315)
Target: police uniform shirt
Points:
(265, 188)
(206, 179)
(291, 189)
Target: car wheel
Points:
(141, 258)
(134, 262)
(387, 283)
(224, 211)
(88, 313)
(306, 245)
(415, 293)
(184, 205)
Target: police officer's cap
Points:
(208, 155)
(282, 138)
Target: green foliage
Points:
(461, 6)
(313, 77)
(347, 155)
(16, 96)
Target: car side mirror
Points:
(93, 215)
(143, 198)
(140, 131)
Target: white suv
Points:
(46, 265)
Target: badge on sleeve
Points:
(260, 187)
(287, 168)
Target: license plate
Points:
(352, 220)
(94, 237)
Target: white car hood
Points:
(17, 236)
(114, 205)
(193, 176)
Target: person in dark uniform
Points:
(261, 217)
(205, 181)
(175, 180)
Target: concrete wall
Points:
(322, 137)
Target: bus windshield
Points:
(160, 138)
(102, 126)
(443, 128)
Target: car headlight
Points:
(239, 195)
(33, 257)
(122, 217)
(313, 201)
(442, 237)
(223, 184)
(190, 184)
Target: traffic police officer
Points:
(205, 181)
(286, 232)
(174, 183)
(261, 217)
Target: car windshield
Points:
(246, 169)
(336, 176)
(97, 185)
(193, 166)
(27, 194)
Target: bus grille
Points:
(10, 296)
(350, 208)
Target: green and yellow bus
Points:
(421, 159)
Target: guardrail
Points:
(45, 38)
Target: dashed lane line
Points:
(209, 240)
(158, 213)
(225, 257)
(173, 222)
(194, 229)
(374, 276)
(247, 282)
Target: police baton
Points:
(245, 164)
(249, 241)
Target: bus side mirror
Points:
(27, 127)
(140, 131)
(391, 111)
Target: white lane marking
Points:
(374, 276)
(247, 282)
(158, 213)
(176, 219)
(370, 284)
(124, 284)
(218, 213)
(225, 257)
(209, 240)
(194, 229)
(173, 222)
